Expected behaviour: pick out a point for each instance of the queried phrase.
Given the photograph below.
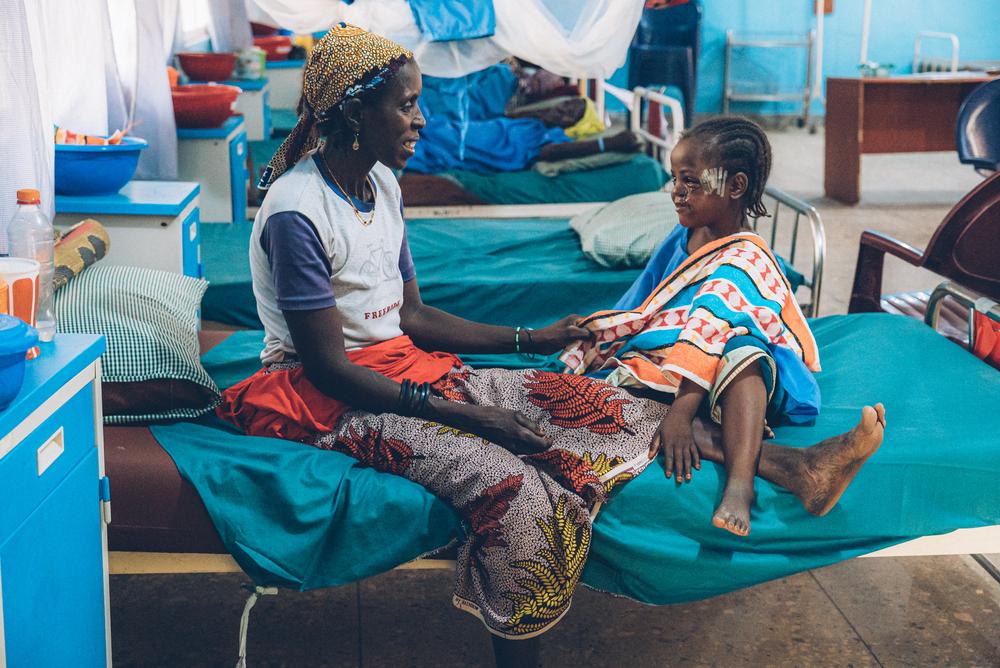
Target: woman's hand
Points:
(555, 337)
(510, 429)
(675, 438)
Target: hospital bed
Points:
(529, 263)
(931, 476)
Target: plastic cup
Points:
(19, 291)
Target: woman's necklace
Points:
(350, 200)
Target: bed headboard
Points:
(653, 115)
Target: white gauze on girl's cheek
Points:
(714, 180)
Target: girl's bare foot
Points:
(828, 467)
(733, 514)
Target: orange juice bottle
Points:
(30, 235)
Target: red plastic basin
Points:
(276, 46)
(262, 29)
(207, 66)
(203, 105)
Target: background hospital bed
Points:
(652, 115)
(508, 265)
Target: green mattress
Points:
(515, 272)
(642, 174)
(300, 517)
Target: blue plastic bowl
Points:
(96, 170)
(16, 338)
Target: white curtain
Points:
(26, 137)
(229, 25)
(144, 32)
(575, 38)
(119, 115)
(72, 40)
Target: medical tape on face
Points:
(714, 180)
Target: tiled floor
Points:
(865, 612)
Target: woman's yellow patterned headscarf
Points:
(346, 62)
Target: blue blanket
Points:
(304, 518)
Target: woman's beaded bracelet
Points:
(530, 344)
(412, 398)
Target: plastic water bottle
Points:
(30, 235)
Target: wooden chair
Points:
(965, 249)
(977, 129)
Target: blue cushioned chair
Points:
(665, 50)
(977, 128)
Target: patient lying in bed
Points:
(472, 125)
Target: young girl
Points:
(712, 320)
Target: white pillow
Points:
(624, 233)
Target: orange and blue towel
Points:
(732, 287)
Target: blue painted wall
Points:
(894, 25)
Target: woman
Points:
(346, 367)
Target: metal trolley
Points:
(740, 92)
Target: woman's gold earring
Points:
(356, 145)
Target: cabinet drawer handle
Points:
(50, 451)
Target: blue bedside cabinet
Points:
(152, 224)
(255, 105)
(53, 521)
(216, 158)
(285, 77)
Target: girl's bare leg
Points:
(743, 404)
(817, 475)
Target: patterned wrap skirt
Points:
(527, 518)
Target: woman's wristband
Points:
(528, 342)
(530, 348)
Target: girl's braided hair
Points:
(739, 145)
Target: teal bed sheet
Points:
(302, 518)
(524, 272)
(642, 174)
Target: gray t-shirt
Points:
(309, 251)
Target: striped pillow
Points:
(151, 320)
(624, 233)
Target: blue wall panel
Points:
(894, 25)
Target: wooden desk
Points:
(904, 114)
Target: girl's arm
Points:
(319, 341)
(434, 329)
